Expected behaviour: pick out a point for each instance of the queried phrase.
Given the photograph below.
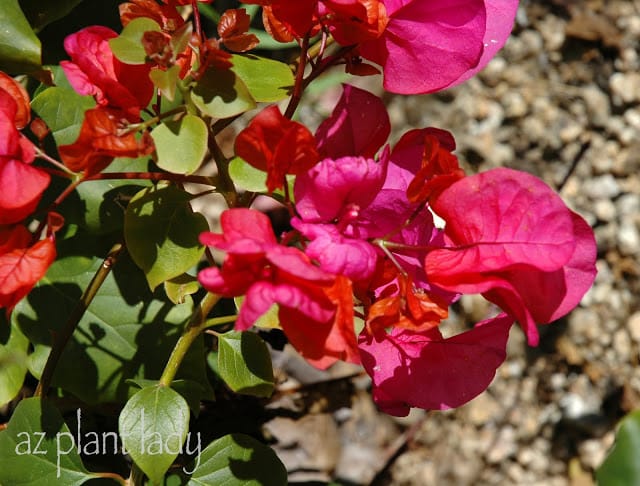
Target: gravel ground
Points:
(562, 101)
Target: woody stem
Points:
(62, 338)
(299, 85)
(153, 176)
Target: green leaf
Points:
(622, 467)
(237, 460)
(19, 47)
(244, 363)
(267, 80)
(37, 448)
(166, 80)
(181, 145)
(192, 391)
(153, 426)
(221, 94)
(162, 233)
(102, 203)
(41, 13)
(128, 47)
(251, 179)
(13, 362)
(127, 332)
(62, 110)
(180, 287)
(247, 176)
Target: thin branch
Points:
(194, 327)
(298, 87)
(62, 338)
(154, 176)
(574, 164)
(41, 154)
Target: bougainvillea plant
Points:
(118, 295)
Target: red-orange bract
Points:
(21, 99)
(349, 21)
(232, 29)
(166, 16)
(21, 265)
(103, 137)
(277, 145)
(315, 308)
(439, 168)
(94, 70)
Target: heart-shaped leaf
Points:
(127, 332)
(63, 110)
(247, 176)
(266, 79)
(244, 363)
(38, 448)
(99, 206)
(153, 426)
(181, 145)
(128, 47)
(237, 460)
(13, 361)
(166, 80)
(162, 233)
(222, 94)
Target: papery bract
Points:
(20, 97)
(346, 202)
(333, 187)
(544, 297)
(103, 137)
(429, 46)
(354, 21)
(94, 70)
(358, 126)
(21, 184)
(232, 29)
(500, 18)
(165, 16)
(337, 253)
(439, 169)
(290, 19)
(315, 308)
(349, 21)
(310, 311)
(506, 230)
(409, 308)
(329, 199)
(425, 370)
(21, 265)
(277, 145)
(341, 342)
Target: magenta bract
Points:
(432, 45)
(511, 238)
(425, 370)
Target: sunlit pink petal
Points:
(327, 190)
(426, 371)
(358, 126)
